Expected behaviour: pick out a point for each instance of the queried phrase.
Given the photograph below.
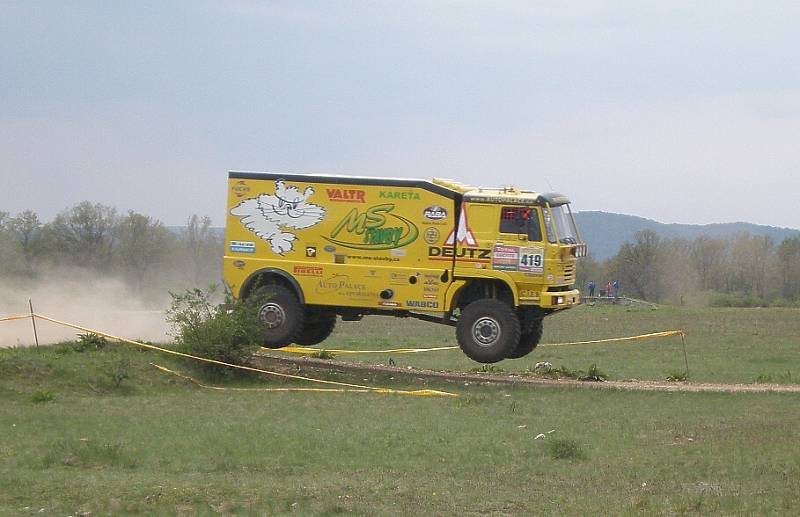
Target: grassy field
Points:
(101, 431)
(723, 345)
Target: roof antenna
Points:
(549, 184)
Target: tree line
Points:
(133, 247)
(742, 270)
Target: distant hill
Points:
(605, 232)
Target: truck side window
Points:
(521, 220)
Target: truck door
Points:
(519, 244)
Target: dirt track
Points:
(324, 365)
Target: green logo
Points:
(374, 229)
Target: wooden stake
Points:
(33, 322)
(685, 359)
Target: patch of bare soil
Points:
(295, 364)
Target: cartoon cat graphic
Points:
(268, 215)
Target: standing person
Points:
(591, 285)
(608, 288)
(616, 288)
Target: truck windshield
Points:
(562, 224)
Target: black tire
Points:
(528, 340)
(281, 312)
(318, 326)
(488, 330)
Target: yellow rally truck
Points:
(493, 262)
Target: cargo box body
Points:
(342, 240)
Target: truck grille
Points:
(569, 273)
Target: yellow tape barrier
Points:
(373, 389)
(225, 388)
(665, 333)
(304, 350)
(12, 318)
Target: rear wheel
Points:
(528, 340)
(318, 326)
(280, 312)
(488, 330)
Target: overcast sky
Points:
(679, 112)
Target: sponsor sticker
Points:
(435, 213)
(345, 195)
(345, 286)
(274, 216)
(308, 270)
(431, 235)
(398, 278)
(242, 247)
(422, 304)
(531, 260)
(388, 304)
(505, 258)
(239, 264)
(240, 188)
(375, 228)
(465, 254)
(463, 233)
(408, 194)
(311, 251)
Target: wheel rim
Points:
(272, 315)
(486, 331)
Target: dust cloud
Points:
(75, 296)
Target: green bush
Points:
(42, 396)
(593, 374)
(565, 449)
(230, 333)
(561, 372)
(677, 376)
(88, 342)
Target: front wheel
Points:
(281, 314)
(488, 330)
(528, 340)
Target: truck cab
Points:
(532, 240)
